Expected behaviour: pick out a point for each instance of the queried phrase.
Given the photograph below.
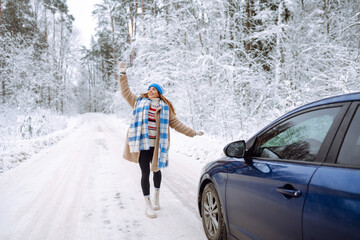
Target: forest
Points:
(228, 66)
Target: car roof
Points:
(330, 100)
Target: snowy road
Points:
(81, 188)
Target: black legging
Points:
(144, 161)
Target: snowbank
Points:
(16, 150)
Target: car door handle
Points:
(289, 193)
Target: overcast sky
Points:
(81, 10)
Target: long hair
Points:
(171, 107)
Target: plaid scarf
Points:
(139, 134)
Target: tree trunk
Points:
(167, 14)
(3, 90)
(143, 13)
(54, 35)
(45, 25)
(55, 69)
(133, 18)
(61, 65)
(279, 54)
(102, 67)
(131, 34)
(231, 23)
(2, 65)
(326, 15)
(0, 13)
(89, 87)
(135, 21)
(46, 98)
(357, 57)
(49, 96)
(248, 24)
(135, 26)
(114, 50)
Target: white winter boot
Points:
(156, 199)
(149, 210)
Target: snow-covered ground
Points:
(82, 188)
(23, 135)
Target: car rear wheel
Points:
(211, 212)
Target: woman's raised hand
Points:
(122, 68)
(199, 133)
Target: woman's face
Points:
(153, 93)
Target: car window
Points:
(298, 138)
(350, 149)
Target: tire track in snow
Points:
(54, 207)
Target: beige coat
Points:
(174, 123)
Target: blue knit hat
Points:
(158, 87)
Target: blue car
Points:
(298, 178)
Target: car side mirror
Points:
(235, 149)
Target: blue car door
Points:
(332, 208)
(265, 200)
(263, 208)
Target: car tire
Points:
(212, 214)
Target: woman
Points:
(148, 138)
